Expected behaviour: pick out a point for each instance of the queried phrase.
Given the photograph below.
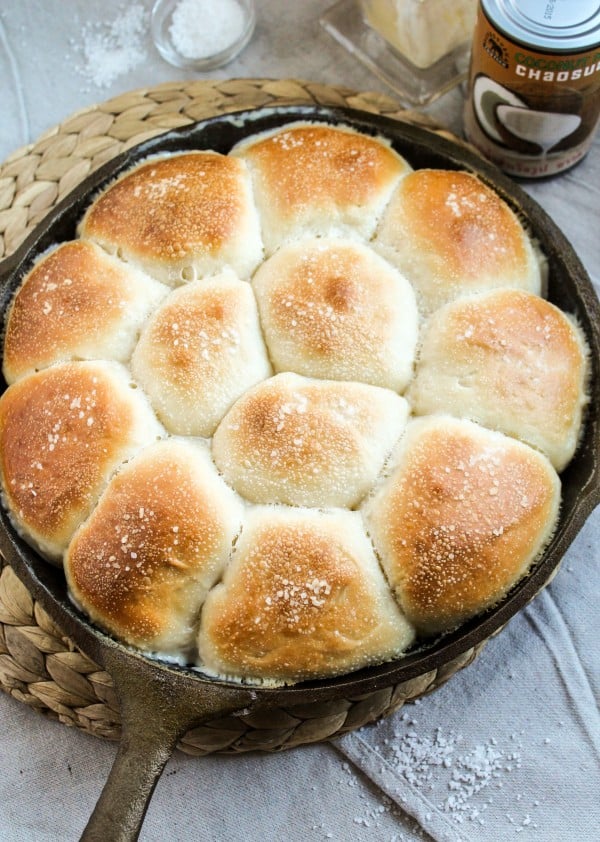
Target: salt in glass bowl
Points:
(161, 29)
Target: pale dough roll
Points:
(460, 519)
(199, 352)
(180, 217)
(142, 564)
(319, 180)
(452, 235)
(510, 361)
(76, 303)
(335, 309)
(302, 598)
(63, 431)
(308, 442)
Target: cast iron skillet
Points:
(160, 702)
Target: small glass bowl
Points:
(160, 27)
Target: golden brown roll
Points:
(460, 519)
(179, 217)
(158, 539)
(335, 309)
(308, 442)
(452, 235)
(199, 352)
(54, 316)
(510, 361)
(319, 180)
(302, 598)
(63, 431)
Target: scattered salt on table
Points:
(201, 28)
(110, 50)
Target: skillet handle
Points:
(156, 711)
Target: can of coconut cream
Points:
(534, 84)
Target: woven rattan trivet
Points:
(38, 664)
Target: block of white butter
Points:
(422, 30)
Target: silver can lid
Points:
(566, 26)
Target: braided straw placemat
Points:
(39, 665)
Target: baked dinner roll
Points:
(179, 217)
(199, 352)
(319, 180)
(63, 431)
(510, 361)
(460, 519)
(302, 598)
(142, 564)
(334, 309)
(76, 303)
(452, 235)
(308, 442)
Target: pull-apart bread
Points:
(288, 412)
(64, 430)
(459, 520)
(55, 315)
(320, 303)
(179, 217)
(155, 544)
(303, 596)
(311, 181)
(452, 235)
(511, 361)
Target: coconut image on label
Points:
(544, 128)
(487, 96)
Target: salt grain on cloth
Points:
(201, 28)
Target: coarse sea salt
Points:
(202, 28)
(112, 49)
(469, 777)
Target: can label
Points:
(532, 113)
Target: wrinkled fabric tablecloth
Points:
(510, 747)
